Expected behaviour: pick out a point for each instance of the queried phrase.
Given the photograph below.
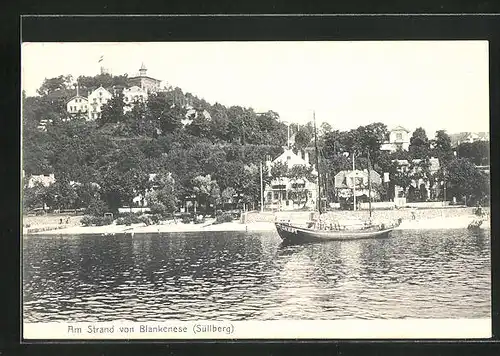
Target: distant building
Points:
(96, 100)
(468, 137)
(77, 105)
(149, 84)
(132, 95)
(42, 126)
(44, 179)
(399, 139)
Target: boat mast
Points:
(369, 186)
(353, 181)
(317, 163)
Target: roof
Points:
(400, 128)
(293, 161)
(99, 89)
(341, 181)
(134, 88)
(76, 96)
(144, 76)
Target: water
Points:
(241, 276)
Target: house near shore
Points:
(283, 191)
(430, 188)
(349, 181)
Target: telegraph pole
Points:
(317, 164)
(261, 190)
(369, 187)
(354, 181)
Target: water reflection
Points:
(237, 276)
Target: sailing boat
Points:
(322, 230)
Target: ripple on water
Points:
(438, 274)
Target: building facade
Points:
(132, 95)
(399, 139)
(429, 186)
(44, 179)
(355, 182)
(77, 105)
(287, 194)
(96, 100)
(143, 81)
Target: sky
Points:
(430, 84)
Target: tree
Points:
(162, 199)
(304, 136)
(52, 85)
(279, 170)
(465, 180)
(206, 190)
(442, 147)
(477, 152)
(299, 176)
(419, 144)
(34, 197)
(112, 111)
(165, 109)
(227, 195)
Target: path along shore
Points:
(420, 222)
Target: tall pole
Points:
(354, 181)
(369, 186)
(317, 163)
(444, 186)
(261, 190)
(288, 140)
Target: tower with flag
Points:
(101, 62)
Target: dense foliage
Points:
(202, 152)
(194, 148)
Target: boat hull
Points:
(295, 234)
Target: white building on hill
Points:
(399, 139)
(132, 95)
(96, 100)
(77, 105)
(44, 179)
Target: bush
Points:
(96, 208)
(96, 220)
(155, 218)
(225, 217)
(145, 219)
(129, 219)
(199, 221)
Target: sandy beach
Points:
(459, 222)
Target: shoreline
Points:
(419, 224)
